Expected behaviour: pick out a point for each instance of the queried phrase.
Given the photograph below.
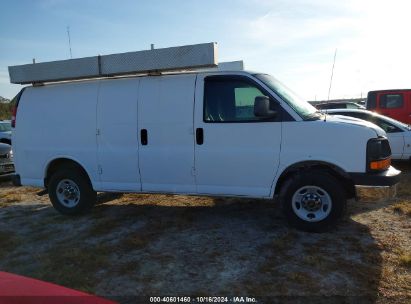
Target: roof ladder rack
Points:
(154, 61)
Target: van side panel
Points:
(117, 137)
(55, 121)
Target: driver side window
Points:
(230, 99)
(244, 102)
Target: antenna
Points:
(331, 81)
(69, 41)
(332, 73)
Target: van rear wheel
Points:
(70, 191)
(313, 201)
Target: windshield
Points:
(393, 121)
(5, 126)
(303, 108)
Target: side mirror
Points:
(262, 107)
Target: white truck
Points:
(215, 133)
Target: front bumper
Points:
(385, 178)
(6, 168)
(376, 186)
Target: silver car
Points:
(5, 132)
(6, 159)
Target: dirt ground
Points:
(165, 245)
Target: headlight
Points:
(378, 154)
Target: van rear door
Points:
(165, 123)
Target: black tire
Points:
(320, 184)
(79, 183)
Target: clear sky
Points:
(293, 40)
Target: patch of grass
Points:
(140, 239)
(270, 268)
(317, 247)
(405, 260)
(300, 277)
(368, 194)
(127, 268)
(279, 247)
(134, 241)
(403, 208)
(284, 242)
(313, 260)
(403, 188)
(41, 236)
(12, 263)
(8, 242)
(214, 255)
(9, 199)
(73, 266)
(105, 226)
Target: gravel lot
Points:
(165, 245)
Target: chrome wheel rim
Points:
(68, 193)
(311, 203)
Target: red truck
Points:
(393, 103)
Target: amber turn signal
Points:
(380, 164)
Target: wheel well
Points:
(59, 163)
(335, 171)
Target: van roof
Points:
(84, 80)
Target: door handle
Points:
(143, 137)
(199, 136)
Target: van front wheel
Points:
(313, 201)
(70, 191)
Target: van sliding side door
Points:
(165, 124)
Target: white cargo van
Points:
(217, 133)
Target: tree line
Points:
(6, 110)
